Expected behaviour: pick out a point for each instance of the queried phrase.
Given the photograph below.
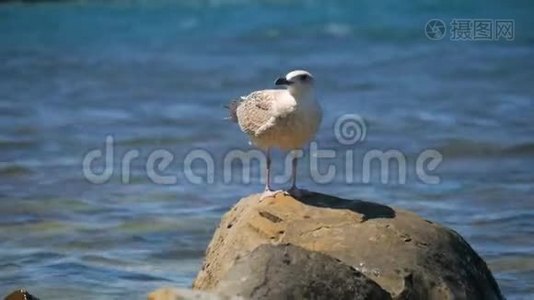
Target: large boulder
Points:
(290, 272)
(406, 255)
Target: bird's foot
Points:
(295, 192)
(270, 193)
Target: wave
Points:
(521, 149)
(382, 20)
(467, 148)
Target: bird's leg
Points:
(268, 170)
(268, 192)
(294, 173)
(294, 190)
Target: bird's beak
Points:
(282, 81)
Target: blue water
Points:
(155, 75)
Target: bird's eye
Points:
(304, 77)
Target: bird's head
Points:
(298, 82)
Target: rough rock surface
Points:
(186, 294)
(409, 257)
(290, 272)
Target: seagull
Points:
(286, 119)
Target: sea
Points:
(117, 160)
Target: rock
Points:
(20, 295)
(290, 272)
(185, 294)
(409, 257)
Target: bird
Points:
(286, 119)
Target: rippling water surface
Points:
(155, 75)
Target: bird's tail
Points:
(232, 110)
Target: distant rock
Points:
(20, 295)
(407, 256)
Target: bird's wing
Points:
(255, 112)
